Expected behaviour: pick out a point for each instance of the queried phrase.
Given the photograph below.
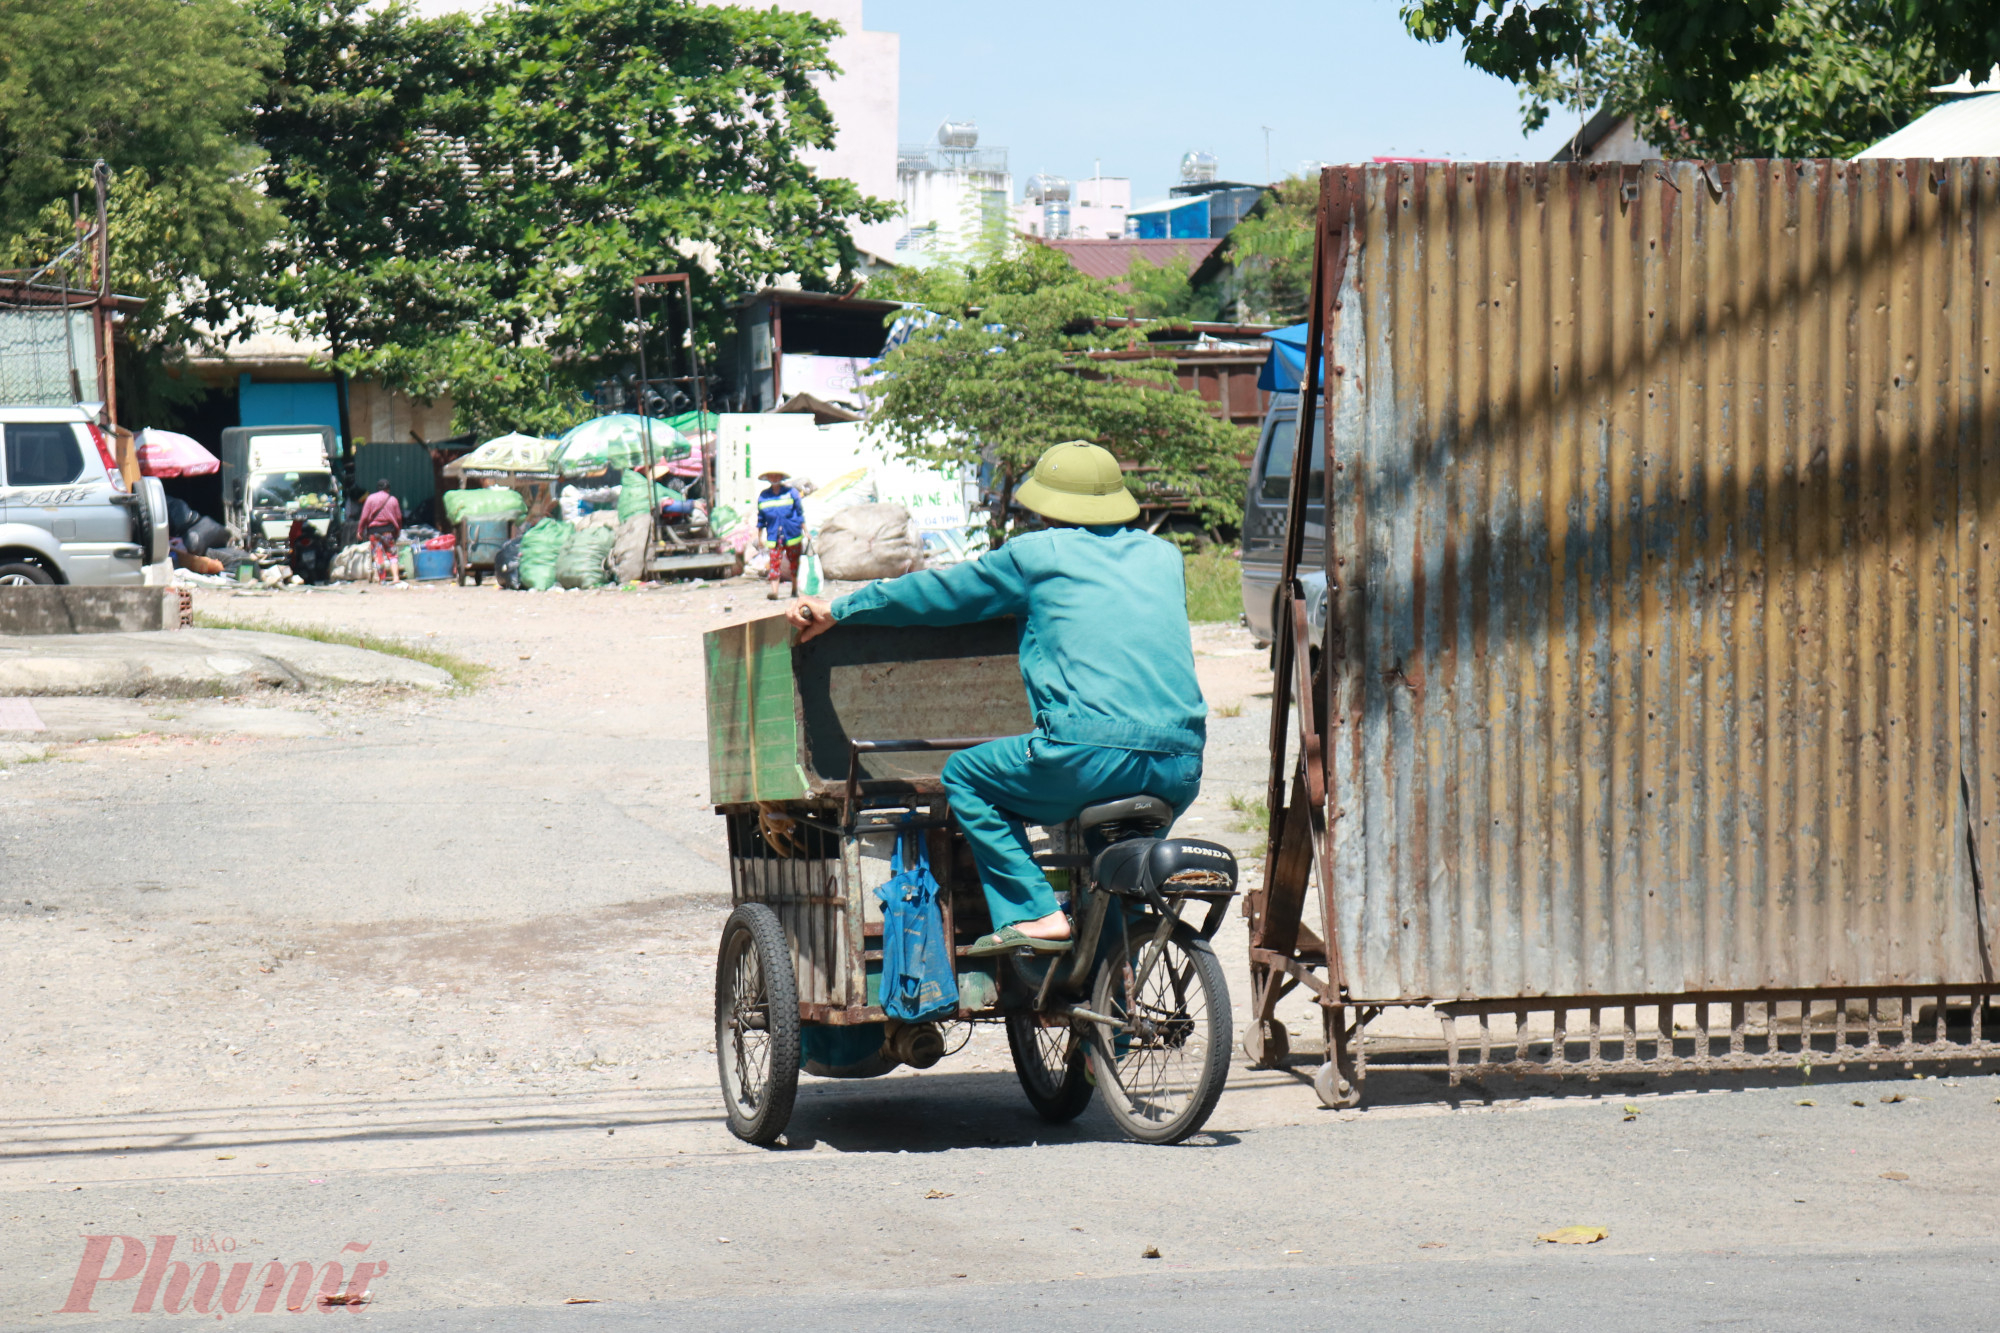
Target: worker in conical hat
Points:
(781, 521)
(1108, 661)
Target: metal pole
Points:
(702, 432)
(108, 381)
(645, 417)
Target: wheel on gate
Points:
(1051, 1067)
(1161, 1069)
(1267, 1044)
(1336, 1092)
(756, 1024)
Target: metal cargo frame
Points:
(1658, 677)
(813, 765)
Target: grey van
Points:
(66, 516)
(1264, 514)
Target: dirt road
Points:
(432, 976)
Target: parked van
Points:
(1264, 515)
(272, 475)
(66, 514)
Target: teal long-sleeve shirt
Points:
(1101, 615)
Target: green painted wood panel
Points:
(753, 726)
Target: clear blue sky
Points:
(1060, 83)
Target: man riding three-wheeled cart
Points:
(947, 797)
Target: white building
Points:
(1092, 209)
(954, 192)
(864, 101)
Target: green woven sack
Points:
(632, 495)
(541, 547)
(582, 562)
(490, 502)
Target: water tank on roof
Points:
(958, 134)
(1198, 168)
(1043, 187)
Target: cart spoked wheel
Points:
(756, 1024)
(1162, 1067)
(1052, 1067)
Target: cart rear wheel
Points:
(1162, 1067)
(756, 1024)
(1051, 1067)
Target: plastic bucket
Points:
(433, 565)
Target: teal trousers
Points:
(997, 787)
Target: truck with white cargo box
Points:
(274, 475)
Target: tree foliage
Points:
(160, 90)
(1167, 291)
(470, 199)
(1726, 77)
(1003, 372)
(1272, 250)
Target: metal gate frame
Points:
(1788, 1027)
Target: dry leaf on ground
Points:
(1895, 1175)
(1574, 1235)
(937, 1194)
(1150, 1252)
(581, 1300)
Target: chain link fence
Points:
(47, 357)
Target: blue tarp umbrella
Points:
(1285, 369)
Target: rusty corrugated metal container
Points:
(1662, 520)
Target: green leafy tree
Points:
(1727, 76)
(1166, 291)
(1004, 371)
(1272, 252)
(160, 90)
(472, 199)
(370, 127)
(1838, 84)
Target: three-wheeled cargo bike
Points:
(825, 760)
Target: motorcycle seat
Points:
(1166, 865)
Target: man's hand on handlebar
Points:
(812, 616)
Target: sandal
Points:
(1007, 939)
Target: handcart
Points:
(479, 541)
(823, 758)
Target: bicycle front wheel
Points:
(1162, 1066)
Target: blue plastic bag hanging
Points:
(919, 973)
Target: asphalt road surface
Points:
(420, 990)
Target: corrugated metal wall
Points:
(1664, 504)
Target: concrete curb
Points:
(197, 663)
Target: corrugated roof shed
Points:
(1968, 127)
(1111, 259)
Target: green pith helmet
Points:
(1078, 482)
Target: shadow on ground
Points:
(940, 1112)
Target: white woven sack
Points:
(871, 541)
